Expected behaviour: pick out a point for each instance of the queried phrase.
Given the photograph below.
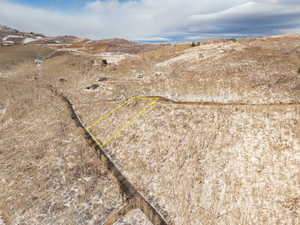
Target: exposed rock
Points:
(101, 79)
(158, 74)
(93, 87)
(104, 62)
(62, 80)
(38, 62)
(140, 75)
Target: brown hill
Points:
(218, 144)
(114, 45)
(9, 37)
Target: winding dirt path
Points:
(170, 101)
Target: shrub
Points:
(299, 70)
(194, 44)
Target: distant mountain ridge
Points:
(10, 36)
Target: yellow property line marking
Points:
(94, 138)
(117, 131)
(106, 115)
(146, 98)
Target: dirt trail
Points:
(170, 101)
(165, 100)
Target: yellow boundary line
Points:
(94, 138)
(118, 130)
(106, 115)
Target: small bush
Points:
(194, 44)
(298, 71)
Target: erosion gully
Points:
(133, 199)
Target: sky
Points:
(153, 20)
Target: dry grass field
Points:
(220, 146)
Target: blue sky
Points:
(153, 20)
(54, 4)
(62, 5)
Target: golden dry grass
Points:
(213, 164)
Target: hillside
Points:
(10, 37)
(114, 132)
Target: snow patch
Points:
(2, 221)
(11, 36)
(114, 57)
(215, 50)
(28, 40)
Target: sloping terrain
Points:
(49, 174)
(220, 143)
(10, 37)
(114, 45)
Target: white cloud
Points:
(156, 39)
(149, 19)
(209, 36)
